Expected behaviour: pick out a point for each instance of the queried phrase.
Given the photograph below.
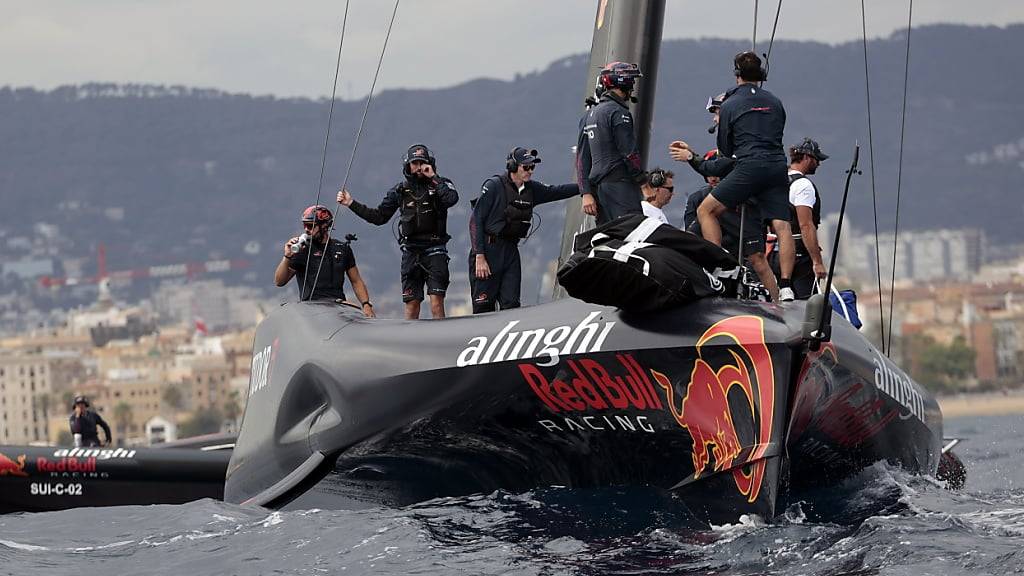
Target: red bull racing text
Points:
(585, 384)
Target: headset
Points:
(410, 156)
(762, 72)
(510, 161)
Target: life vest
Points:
(815, 210)
(518, 210)
(419, 214)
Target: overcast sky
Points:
(289, 48)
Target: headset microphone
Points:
(712, 129)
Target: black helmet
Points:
(418, 152)
(620, 75)
(318, 214)
(80, 399)
(810, 148)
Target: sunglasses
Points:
(308, 225)
(529, 167)
(671, 189)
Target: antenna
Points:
(817, 326)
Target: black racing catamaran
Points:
(728, 404)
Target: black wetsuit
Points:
(86, 426)
(750, 129)
(423, 204)
(492, 234)
(608, 159)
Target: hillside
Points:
(200, 173)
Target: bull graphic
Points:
(705, 411)
(9, 467)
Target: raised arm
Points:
(382, 213)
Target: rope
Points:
(771, 42)
(899, 173)
(323, 158)
(362, 123)
(871, 156)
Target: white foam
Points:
(26, 547)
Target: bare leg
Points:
(437, 306)
(707, 215)
(787, 248)
(760, 265)
(412, 310)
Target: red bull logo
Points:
(705, 411)
(618, 389)
(10, 467)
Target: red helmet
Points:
(711, 154)
(318, 215)
(619, 75)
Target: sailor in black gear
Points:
(422, 199)
(730, 220)
(805, 216)
(750, 128)
(320, 263)
(84, 421)
(501, 217)
(609, 170)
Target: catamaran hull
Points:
(707, 401)
(37, 479)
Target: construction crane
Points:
(188, 269)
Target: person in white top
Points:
(805, 216)
(658, 191)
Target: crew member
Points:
(422, 199)
(608, 166)
(753, 229)
(752, 122)
(501, 217)
(805, 216)
(320, 263)
(84, 421)
(658, 191)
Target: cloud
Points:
(289, 49)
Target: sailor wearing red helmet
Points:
(320, 263)
(608, 167)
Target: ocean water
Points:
(883, 522)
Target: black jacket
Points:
(607, 144)
(488, 217)
(86, 426)
(751, 123)
(442, 189)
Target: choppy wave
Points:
(883, 522)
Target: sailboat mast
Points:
(624, 31)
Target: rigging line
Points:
(771, 42)
(871, 156)
(362, 123)
(369, 97)
(323, 158)
(899, 172)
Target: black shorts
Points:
(768, 181)
(424, 265)
(753, 229)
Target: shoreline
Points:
(982, 404)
